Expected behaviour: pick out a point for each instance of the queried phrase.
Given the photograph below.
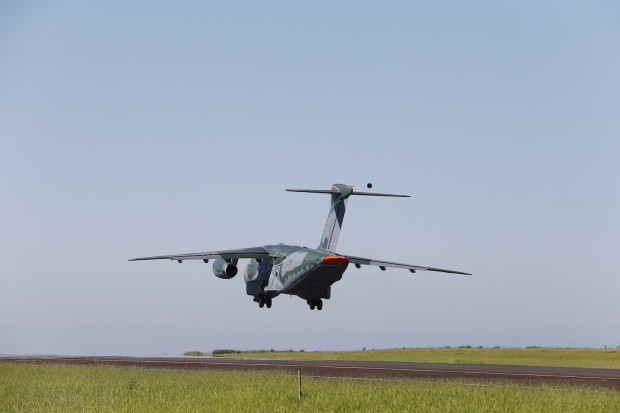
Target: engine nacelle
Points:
(225, 270)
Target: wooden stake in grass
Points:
(299, 382)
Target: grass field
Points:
(530, 356)
(68, 388)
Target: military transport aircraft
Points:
(286, 269)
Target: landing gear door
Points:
(275, 274)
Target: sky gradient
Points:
(153, 128)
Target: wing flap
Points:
(413, 268)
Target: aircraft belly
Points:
(316, 282)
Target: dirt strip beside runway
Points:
(336, 368)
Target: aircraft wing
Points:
(383, 264)
(257, 253)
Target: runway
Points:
(359, 369)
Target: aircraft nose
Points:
(335, 260)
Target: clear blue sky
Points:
(148, 128)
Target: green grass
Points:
(530, 356)
(67, 388)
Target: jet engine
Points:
(225, 270)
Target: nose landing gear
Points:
(315, 302)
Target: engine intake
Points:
(224, 270)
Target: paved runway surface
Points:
(333, 368)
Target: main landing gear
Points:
(315, 302)
(263, 301)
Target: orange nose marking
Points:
(335, 260)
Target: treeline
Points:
(226, 351)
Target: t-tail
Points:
(339, 195)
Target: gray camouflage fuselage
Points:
(305, 272)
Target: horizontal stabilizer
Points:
(377, 194)
(325, 191)
(314, 191)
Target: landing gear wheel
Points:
(268, 302)
(315, 303)
(261, 301)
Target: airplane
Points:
(287, 269)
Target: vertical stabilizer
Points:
(340, 195)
